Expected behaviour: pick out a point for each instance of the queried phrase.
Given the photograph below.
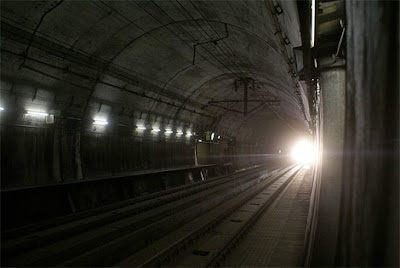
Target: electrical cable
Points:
(216, 34)
(187, 34)
(191, 36)
(90, 64)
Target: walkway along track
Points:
(180, 248)
(140, 220)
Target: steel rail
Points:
(216, 260)
(78, 227)
(173, 249)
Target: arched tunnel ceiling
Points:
(163, 59)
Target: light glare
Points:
(141, 127)
(1, 108)
(100, 122)
(312, 41)
(304, 152)
(37, 113)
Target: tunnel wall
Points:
(131, 79)
(40, 155)
(35, 156)
(74, 171)
(108, 154)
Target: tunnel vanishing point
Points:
(164, 133)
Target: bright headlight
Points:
(304, 152)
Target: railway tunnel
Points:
(164, 133)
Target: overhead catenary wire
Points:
(255, 77)
(208, 35)
(91, 55)
(228, 47)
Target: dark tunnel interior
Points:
(113, 110)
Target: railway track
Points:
(205, 242)
(105, 236)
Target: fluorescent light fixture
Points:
(212, 135)
(179, 133)
(155, 130)
(33, 113)
(100, 122)
(141, 127)
(1, 108)
(168, 131)
(312, 24)
(188, 134)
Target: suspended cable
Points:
(187, 34)
(223, 41)
(209, 35)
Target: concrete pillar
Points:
(369, 234)
(332, 83)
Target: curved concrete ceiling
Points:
(161, 60)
